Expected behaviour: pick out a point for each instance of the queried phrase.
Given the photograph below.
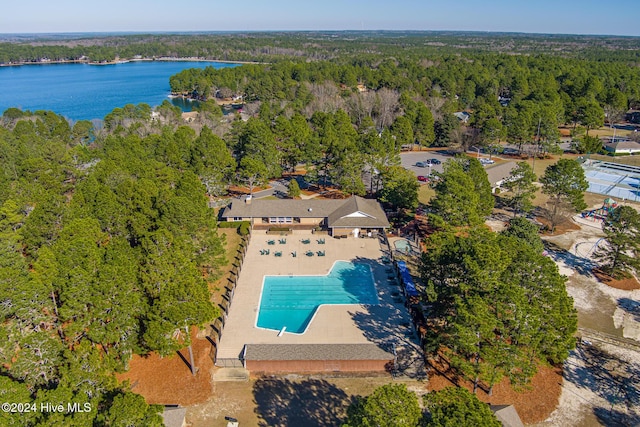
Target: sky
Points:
(616, 17)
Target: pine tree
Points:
(455, 406)
(565, 184)
(520, 185)
(620, 255)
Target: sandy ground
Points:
(602, 376)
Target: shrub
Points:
(245, 228)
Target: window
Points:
(281, 220)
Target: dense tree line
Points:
(269, 47)
(104, 253)
(498, 306)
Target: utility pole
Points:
(535, 151)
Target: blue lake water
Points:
(85, 92)
(292, 301)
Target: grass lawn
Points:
(625, 160)
(232, 241)
(425, 193)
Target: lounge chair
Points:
(271, 242)
(306, 241)
(282, 241)
(321, 241)
(320, 253)
(278, 253)
(294, 254)
(309, 253)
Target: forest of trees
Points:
(104, 253)
(106, 236)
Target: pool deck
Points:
(382, 324)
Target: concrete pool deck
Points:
(382, 324)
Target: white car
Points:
(487, 161)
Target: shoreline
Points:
(124, 61)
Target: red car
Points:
(423, 178)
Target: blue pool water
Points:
(291, 301)
(402, 245)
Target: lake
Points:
(85, 92)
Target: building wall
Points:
(311, 221)
(301, 366)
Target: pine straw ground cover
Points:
(168, 380)
(534, 403)
(626, 284)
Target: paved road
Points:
(276, 187)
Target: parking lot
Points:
(410, 159)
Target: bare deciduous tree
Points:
(387, 107)
(326, 98)
(361, 105)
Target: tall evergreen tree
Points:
(565, 184)
(455, 406)
(520, 185)
(620, 255)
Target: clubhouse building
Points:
(353, 216)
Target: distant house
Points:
(633, 116)
(339, 217)
(622, 147)
(174, 416)
(499, 173)
(507, 415)
(463, 116)
(189, 116)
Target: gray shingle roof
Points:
(624, 145)
(499, 172)
(174, 416)
(368, 212)
(316, 352)
(259, 208)
(507, 415)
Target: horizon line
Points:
(132, 32)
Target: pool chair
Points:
(294, 254)
(321, 241)
(264, 252)
(305, 241)
(282, 241)
(320, 253)
(309, 253)
(271, 242)
(278, 253)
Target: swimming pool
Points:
(292, 301)
(403, 246)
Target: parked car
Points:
(435, 161)
(422, 178)
(421, 164)
(487, 161)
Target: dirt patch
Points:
(627, 284)
(289, 400)
(561, 228)
(534, 404)
(168, 380)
